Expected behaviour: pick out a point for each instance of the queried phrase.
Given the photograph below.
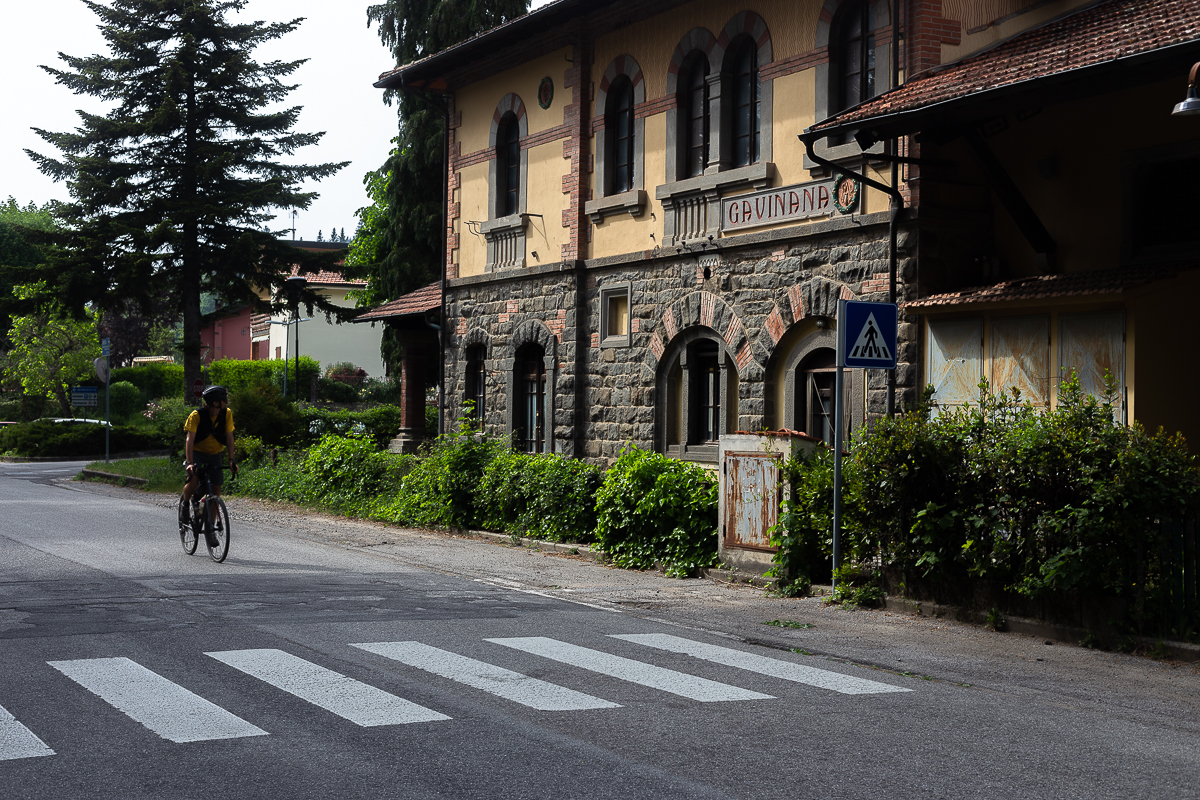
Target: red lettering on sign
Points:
(747, 210)
(734, 218)
(823, 196)
(793, 202)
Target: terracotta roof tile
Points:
(418, 302)
(328, 278)
(1091, 36)
(1042, 287)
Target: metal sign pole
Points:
(107, 395)
(839, 387)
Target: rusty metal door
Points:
(1021, 358)
(1089, 345)
(751, 500)
(955, 360)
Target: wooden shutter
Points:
(1091, 345)
(1021, 357)
(955, 360)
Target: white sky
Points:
(345, 58)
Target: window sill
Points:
(699, 453)
(633, 202)
(512, 222)
(756, 176)
(614, 341)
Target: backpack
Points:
(207, 426)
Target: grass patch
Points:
(788, 623)
(161, 474)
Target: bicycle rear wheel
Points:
(187, 534)
(220, 530)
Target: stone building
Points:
(642, 247)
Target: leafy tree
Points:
(134, 331)
(399, 246)
(16, 252)
(172, 188)
(51, 350)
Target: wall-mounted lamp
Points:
(1191, 104)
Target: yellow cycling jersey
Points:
(210, 444)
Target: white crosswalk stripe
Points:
(164, 707)
(17, 741)
(363, 705)
(501, 682)
(774, 667)
(627, 669)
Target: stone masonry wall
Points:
(750, 297)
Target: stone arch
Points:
(880, 8)
(477, 336)
(621, 65)
(510, 102)
(671, 389)
(744, 22)
(696, 39)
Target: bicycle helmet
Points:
(215, 394)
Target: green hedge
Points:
(237, 375)
(380, 424)
(543, 496)
(154, 380)
(1043, 512)
(652, 510)
(44, 439)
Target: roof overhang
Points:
(413, 305)
(904, 111)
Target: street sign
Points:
(197, 388)
(105, 347)
(85, 396)
(867, 335)
(101, 365)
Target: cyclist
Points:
(209, 431)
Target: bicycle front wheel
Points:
(218, 545)
(187, 533)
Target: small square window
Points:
(614, 315)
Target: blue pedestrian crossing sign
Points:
(868, 335)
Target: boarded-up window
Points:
(1091, 346)
(751, 500)
(955, 360)
(1021, 357)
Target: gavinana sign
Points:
(788, 203)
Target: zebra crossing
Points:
(179, 715)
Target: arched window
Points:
(699, 386)
(853, 54)
(508, 166)
(693, 105)
(745, 106)
(619, 121)
(815, 378)
(476, 381)
(530, 418)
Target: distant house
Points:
(226, 334)
(274, 336)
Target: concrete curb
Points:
(538, 544)
(112, 477)
(89, 458)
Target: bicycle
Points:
(214, 524)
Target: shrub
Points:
(350, 474)
(382, 390)
(43, 439)
(804, 532)
(652, 509)
(381, 424)
(238, 375)
(124, 400)
(543, 496)
(335, 391)
(153, 380)
(251, 452)
(260, 410)
(998, 503)
(440, 489)
(168, 415)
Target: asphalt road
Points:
(328, 658)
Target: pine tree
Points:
(399, 245)
(320, 236)
(342, 235)
(172, 187)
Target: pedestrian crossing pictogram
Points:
(180, 715)
(870, 343)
